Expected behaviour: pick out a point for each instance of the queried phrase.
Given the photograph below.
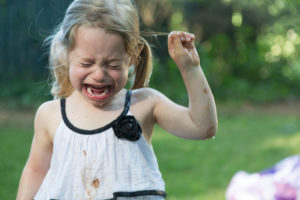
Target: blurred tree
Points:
(23, 60)
(248, 49)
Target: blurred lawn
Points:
(193, 170)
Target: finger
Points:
(170, 41)
(183, 37)
(192, 37)
(187, 38)
(175, 40)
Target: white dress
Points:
(97, 165)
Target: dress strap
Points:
(127, 102)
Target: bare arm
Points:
(39, 159)
(199, 120)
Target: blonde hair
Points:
(114, 16)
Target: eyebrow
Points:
(108, 58)
(87, 59)
(113, 59)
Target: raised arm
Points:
(39, 159)
(199, 120)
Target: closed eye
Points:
(113, 66)
(85, 64)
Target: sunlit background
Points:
(249, 51)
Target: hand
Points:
(182, 49)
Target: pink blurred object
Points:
(280, 182)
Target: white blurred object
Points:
(280, 182)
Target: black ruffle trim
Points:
(140, 193)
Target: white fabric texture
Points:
(97, 165)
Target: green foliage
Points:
(24, 94)
(167, 78)
(255, 57)
(249, 49)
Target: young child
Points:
(94, 140)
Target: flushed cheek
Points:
(120, 77)
(76, 77)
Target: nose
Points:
(99, 74)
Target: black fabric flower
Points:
(127, 127)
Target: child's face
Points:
(98, 64)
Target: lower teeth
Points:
(90, 91)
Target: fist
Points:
(182, 49)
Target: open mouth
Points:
(97, 92)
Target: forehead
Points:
(97, 42)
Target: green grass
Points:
(14, 148)
(192, 170)
(203, 169)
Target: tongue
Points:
(98, 91)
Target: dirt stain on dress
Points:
(95, 183)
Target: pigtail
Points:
(143, 67)
(58, 64)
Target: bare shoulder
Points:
(47, 117)
(147, 94)
(48, 109)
